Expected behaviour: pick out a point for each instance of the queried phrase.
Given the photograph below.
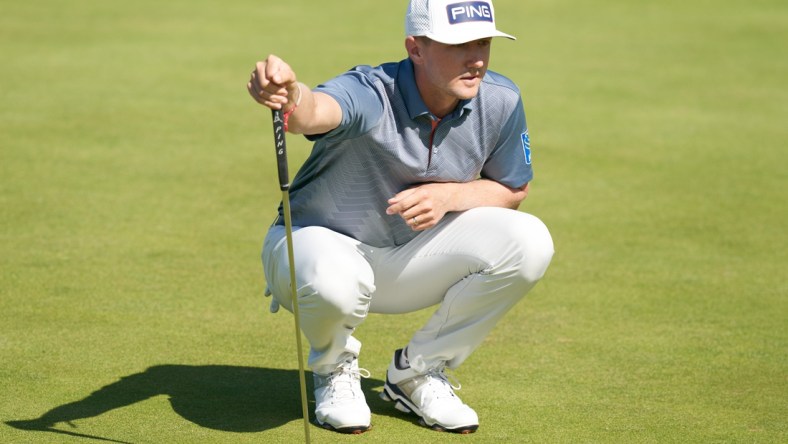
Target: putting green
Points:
(137, 179)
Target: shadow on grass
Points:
(226, 398)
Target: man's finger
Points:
(278, 72)
(398, 203)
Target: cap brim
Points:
(469, 37)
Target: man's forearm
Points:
(484, 193)
(316, 113)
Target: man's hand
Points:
(422, 207)
(273, 84)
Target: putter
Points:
(284, 185)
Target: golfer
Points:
(408, 200)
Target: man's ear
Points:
(414, 49)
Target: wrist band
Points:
(292, 110)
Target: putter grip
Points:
(281, 149)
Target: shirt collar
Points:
(406, 82)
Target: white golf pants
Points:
(476, 264)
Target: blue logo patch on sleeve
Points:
(526, 147)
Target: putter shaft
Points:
(284, 185)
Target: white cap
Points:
(452, 22)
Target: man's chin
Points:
(468, 94)
(463, 92)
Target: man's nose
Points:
(475, 62)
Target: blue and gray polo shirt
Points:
(386, 143)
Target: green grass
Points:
(137, 181)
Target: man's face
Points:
(456, 70)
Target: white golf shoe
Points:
(339, 402)
(430, 396)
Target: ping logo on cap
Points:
(469, 12)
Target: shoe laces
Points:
(442, 384)
(345, 378)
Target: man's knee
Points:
(521, 243)
(332, 277)
(537, 247)
(331, 286)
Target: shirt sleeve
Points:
(510, 161)
(361, 104)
